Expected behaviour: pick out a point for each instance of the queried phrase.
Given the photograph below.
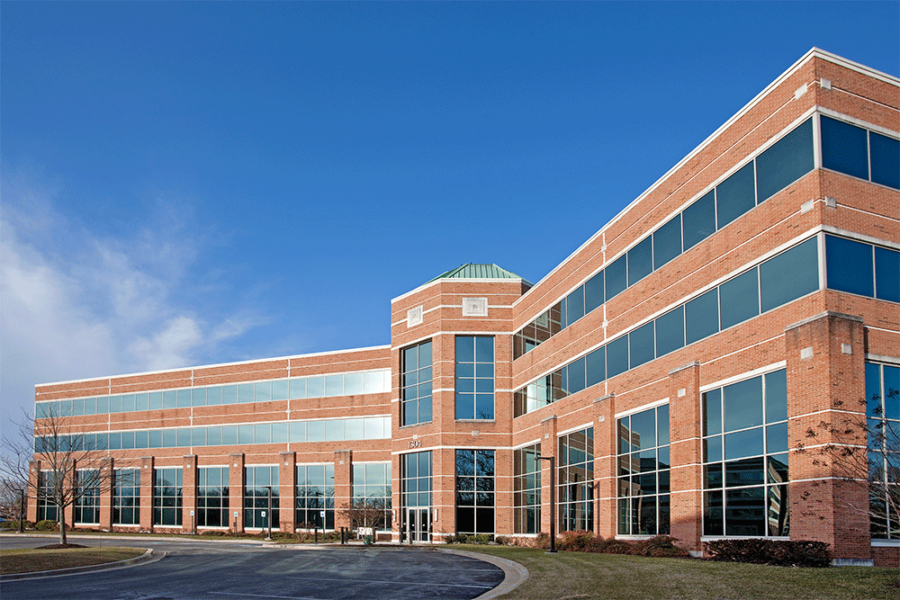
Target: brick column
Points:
(343, 491)
(236, 492)
(504, 471)
(287, 490)
(396, 498)
(147, 474)
(107, 488)
(71, 477)
(606, 466)
(34, 472)
(548, 448)
(443, 498)
(685, 438)
(189, 494)
(826, 388)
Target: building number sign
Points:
(415, 443)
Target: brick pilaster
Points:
(343, 487)
(605, 465)
(548, 448)
(189, 494)
(826, 387)
(236, 492)
(147, 475)
(685, 438)
(34, 472)
(287, 491)
(107, 488)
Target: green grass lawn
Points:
(32, 561)
(576, 575)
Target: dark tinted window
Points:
(850, 267)
(699, 220)
(670, 331)
(885, 160)
(702, 316)
(785, 162)
(667, 242)
(575, 305)
(576, 376)
(617, 357)
(844, 148)
(776, 396)
(616, 277)
(887, 274)
(743, 404)
(735, 196)
(642, 347)
(640, 261)
(739, 299)
(595, 366)
(789, 275)
(593, 292)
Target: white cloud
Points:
(75, 303)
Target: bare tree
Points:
(72, 463)
(12, 496)
(367, 514)
(863, 448)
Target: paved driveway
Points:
(230, 571)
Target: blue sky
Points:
(187, 183)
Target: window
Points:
(416, 384)
(735, 196)
(372, 490)
(576, 481)
(789, 159)
(212, 497)
(47, 510)
(860, 153)
(475, 491)
(643, 476)
(745, 445)
(859, 268)
(315, 496)
(87, 505)
(883, 416)
(474, 377)
(167, 497)
(416, 480)
(127, 497)
(258, 481)
(527, 489)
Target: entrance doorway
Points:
(418, 525)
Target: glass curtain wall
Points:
(416, 384)
(527, 490)
(475, 491)
(87, 505)
(576, 480)
(257, 482)
(212, 497)
(127, 497)
(883, 420)
(644, 472)
(167, 497)
(315, 496)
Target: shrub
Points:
(464, 538)
(46, 525)
(783, 553)
(15, 524)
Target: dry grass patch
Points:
(577, 575)
(36, 560)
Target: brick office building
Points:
(681, 367)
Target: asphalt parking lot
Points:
(195, 570)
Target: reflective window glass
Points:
(617, 357)
(785, 162)
(741, 444)
(885, 160)
(789, 275)
(735, 196)
(616, 277)
(576, 380)
(593, 292)
(670, 331)
(298, 388)
(739, 299)
(844, 148)
(640, 261)
(315, 387)
(887, 274)
(641, 345)
(281, 389)
(595, 367)
(667, 242)
(776, 396)
(743, 404)
(701, 316)
(850, 266)
(699, 220)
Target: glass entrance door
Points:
(418, 525)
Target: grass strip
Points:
(35, 560)
(579, 575)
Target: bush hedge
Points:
(46, 525)
(585, 541)
(782, 553)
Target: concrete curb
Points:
(147, 557)
(514, 574)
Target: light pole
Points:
(22, 511)
(552, 460)
(269, 513)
